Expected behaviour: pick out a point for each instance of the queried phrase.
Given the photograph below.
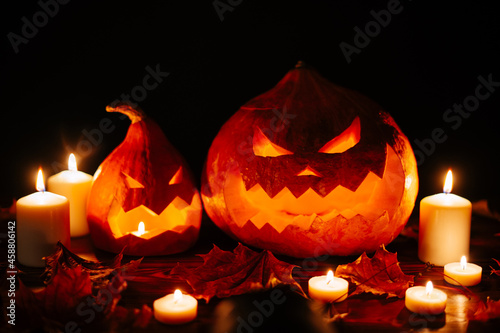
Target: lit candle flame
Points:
(72, 162)
(448, 183)
(428, 288)
(40, 186)
(463, 263)
(177, 296)
(141, 229)
(329, 277)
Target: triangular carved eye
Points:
(177, 178)
(262, 146)
(131, 182)
(346, 140)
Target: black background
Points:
(426, 59)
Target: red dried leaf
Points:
(99, 272)
(376, 312)
(225, 273)
(80, 292)
(56, 303)
(495, 271)
(378, 275)
(486, 311)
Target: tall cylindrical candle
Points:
(74, 185)
(42, 221)
(444, 232)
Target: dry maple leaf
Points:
(225, 273)
(82, 292)
(378, 275)
(486, 311)
(495, 271)
(99, 272)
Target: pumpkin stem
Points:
(135, 114)
(300, 64)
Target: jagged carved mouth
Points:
(176, 217)
(374, 197)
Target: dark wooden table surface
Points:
(367, 312)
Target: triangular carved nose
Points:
(308, 171)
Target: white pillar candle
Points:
(42, 221)
(175, 309)
(327, 288)
(462, 273)
(444, 232)
(74, 185)
(425, 300)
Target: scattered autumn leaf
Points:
(378, 275)
(486, 311)
(225, 273)
(99, 272)
(495, 271)
(376, 312)
(80, 292)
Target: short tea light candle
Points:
(74, 185)
(444, 232)
(327, 288)
(425, 300)
(462, 273)
(42, 221)
(175, 309)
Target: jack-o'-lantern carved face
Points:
(310, 168)
(143, 183)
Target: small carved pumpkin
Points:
(143, 184)
(310, 168)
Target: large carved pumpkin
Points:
(143, 183)
(310, 168)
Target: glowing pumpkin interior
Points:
(176, 216)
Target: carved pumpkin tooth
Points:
(311, 168)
